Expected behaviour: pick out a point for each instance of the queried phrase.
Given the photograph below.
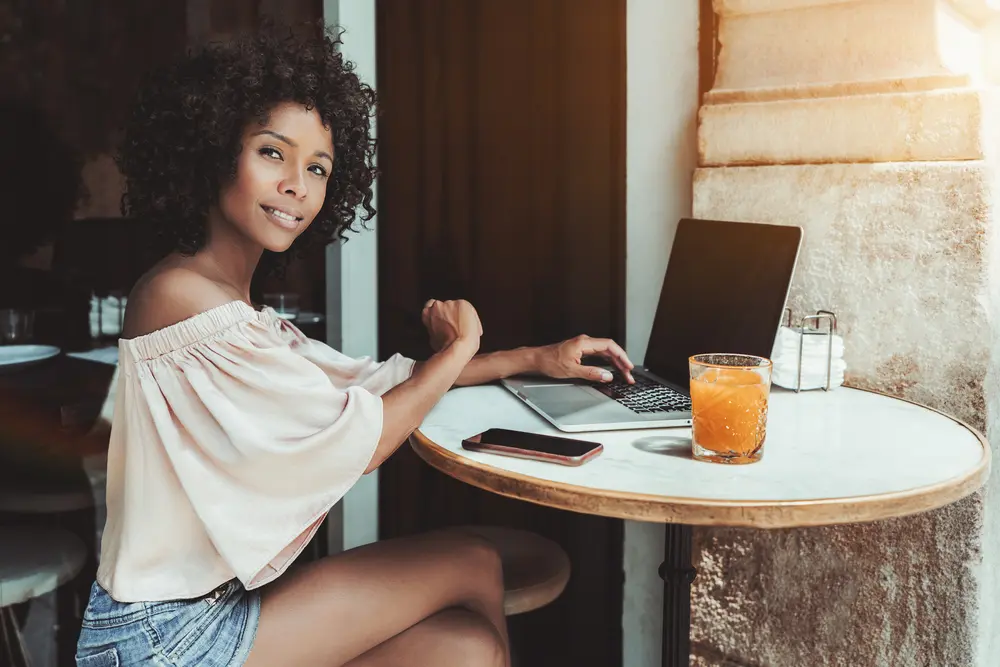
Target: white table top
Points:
(842, 456)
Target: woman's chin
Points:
(278, 242)
(278, 247)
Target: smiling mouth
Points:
(282, 217)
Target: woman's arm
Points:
(405, 405)
(456, 328)
(456, 364)
(498, 365)
(562, 360)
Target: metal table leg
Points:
(677, 574)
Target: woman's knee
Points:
(471, 639)
(479, 558)
(484, 556)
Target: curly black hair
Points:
(183, 136)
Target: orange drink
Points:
(729, 395)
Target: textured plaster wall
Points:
(862, 125)
(900, 252)
(844, 596)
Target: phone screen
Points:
(535, 442)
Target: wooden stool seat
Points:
(535, 569)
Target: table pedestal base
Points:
(678, 575)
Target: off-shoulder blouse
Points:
(233, 436)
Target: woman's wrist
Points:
(465, 346)
(533, 359)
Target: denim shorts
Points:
(216, 630)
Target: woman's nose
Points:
(294, 184)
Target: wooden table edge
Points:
(699, 512)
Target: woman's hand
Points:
(564, 360)
(451, 321)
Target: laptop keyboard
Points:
(645, 395)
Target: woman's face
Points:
(281, 177)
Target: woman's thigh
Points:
(454, 637)
(332, 611)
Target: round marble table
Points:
(844, 456)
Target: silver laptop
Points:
(724, 291)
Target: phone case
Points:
(475, 445)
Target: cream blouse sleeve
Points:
(345, 371)
(265, 431)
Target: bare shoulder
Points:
(168, 295)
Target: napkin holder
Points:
(814, 320)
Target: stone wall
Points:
(865, 122)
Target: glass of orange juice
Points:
(729, 395)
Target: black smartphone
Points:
(548, 448)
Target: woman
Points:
(233, 433)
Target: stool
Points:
(535, 569)
(60, 505)
(33, 562)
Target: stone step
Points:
(931, 125)
(810, 44)
(761, 6)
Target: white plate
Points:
(14, 356)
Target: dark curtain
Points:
(502, 157)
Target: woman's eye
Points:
(318, 170)
(267, 151)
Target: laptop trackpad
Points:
(563, 401)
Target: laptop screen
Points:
(724, 291)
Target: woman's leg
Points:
(452, 637)
(343, 607)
